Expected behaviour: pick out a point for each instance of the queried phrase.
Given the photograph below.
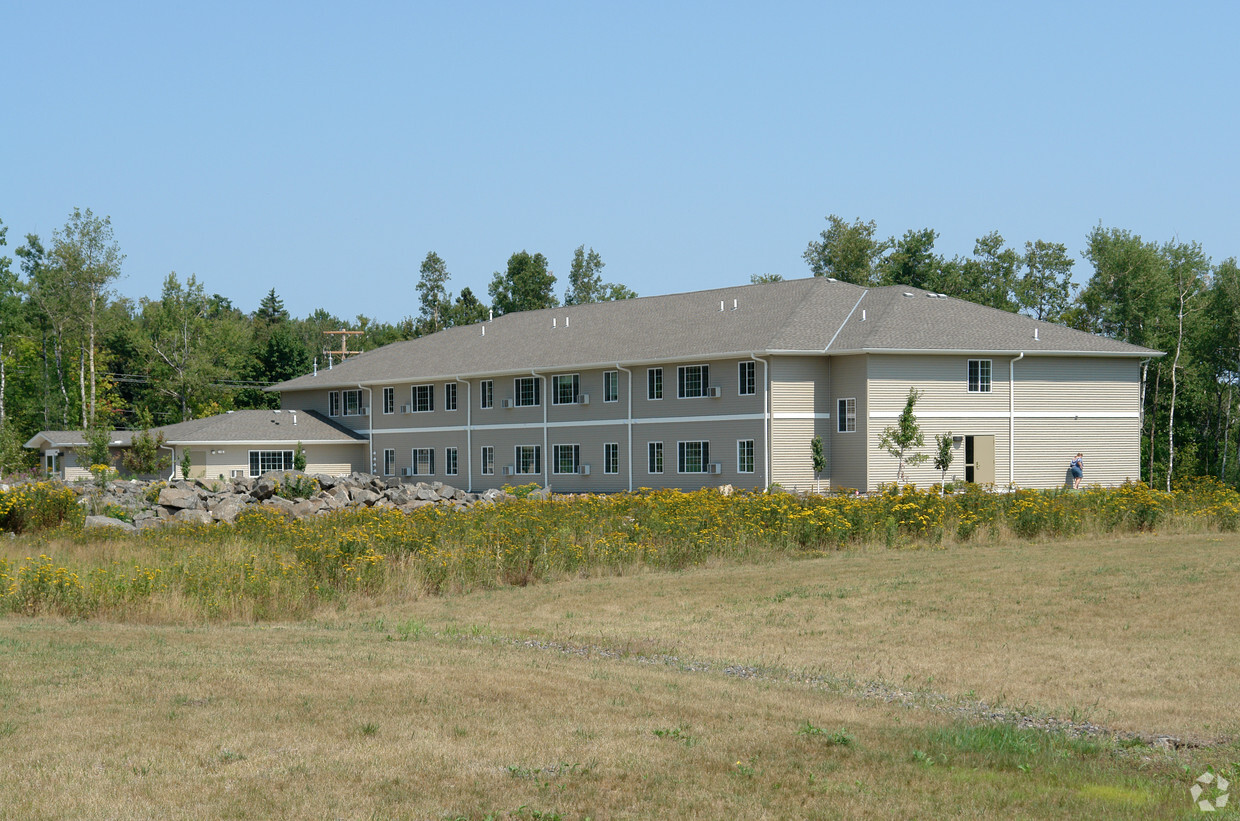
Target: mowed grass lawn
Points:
(728, 691)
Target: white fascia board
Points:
(264, 442)
(978, 352)
(1005, 415)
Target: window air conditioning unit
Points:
(583, 399)
(406, 408)
(583, 470)
(715, 392)
(363, 410)
(508, 470)
(714, 467)
(406, 471)
(505, 403)
(237, 474)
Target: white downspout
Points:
(766, 419)
(370, 424)
(469, 434)
(546, 452)
(171, 449)
(629, 422)
(1012, 419)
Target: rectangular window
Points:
(486, 394)
(449, 461)
(691, 381)
(654, 457)
(53, 464)
(528, 459)
(611, 457)
(449, 396)
(423, 461)
(389, 461)
(528, 392)
(488, 460)
(565, 458)
(745, 379)
(654, 383)
(422, 398)
(979, 376)
(744, 456)
(262, 461)
(846, 416)
(389, 400)
(564, 389)
(692, 457)
(333, 403)
(352, 402)
(611, 386)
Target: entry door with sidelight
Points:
(979, 459)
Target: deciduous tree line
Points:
(74, 354)
(1167, 295)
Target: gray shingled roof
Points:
(814, 315)
(235, 426)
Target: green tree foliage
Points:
(146, 456)
(299, 458)
(526, 285)
(943, 455)
(904, 437)
(585, 278)
(818, 458)
(434, 301)
(989, 277)
(912, 261)
(95, 451)
(1044, 291)
(847, 252)
(759, 279)
(466, 309)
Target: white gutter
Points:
(469, 434)
(766, 419)
(1012, 419)
(629, 421)
(370, 424)
(173, 473)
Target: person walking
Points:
(1078, 471)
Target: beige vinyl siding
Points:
(1045, 447)
(224, 461)
(1072, 384)
(847, 455)
(943, 381)
(800, 388)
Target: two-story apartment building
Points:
(730, 386)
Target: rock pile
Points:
(297, 495)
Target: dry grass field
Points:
(727, 691)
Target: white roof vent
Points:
(908, 293)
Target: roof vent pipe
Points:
(316, 366)
(721, 304)
(1035, 335)
(491, 315)
(565, 322)
(734, 304)
(552, 322)
(863, 314)
(484, 330)
(294, 416)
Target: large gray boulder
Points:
(196, 517)
(178, 498)
(108, 523)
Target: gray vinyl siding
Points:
(800, 389)
(847, 455)
(723, 373)
(722, 437)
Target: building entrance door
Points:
(979, 459)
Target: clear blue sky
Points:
(324, 148)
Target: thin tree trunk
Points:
(1222, 470)
(1154, 421)
(92, 364)
(60, 380)
(1179, 343)
(82, 383)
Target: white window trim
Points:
(744, 369)
(753, 456)
(555, 388)
(286, 460)
(662, 387)
(344, 402)
(705, 457)
(451, 466)
(389, 394)
(990, 376)
(614, 377)
(389, 461)
(486, 394)
(614, 448)
(662, 459)
(516, 460)
(703, 381)
(844, 417)
(430, 398)
(430, 462)
(450, 389)
(516, 392)
(487, 470)
(555, 458)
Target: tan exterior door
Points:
(979, 455)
